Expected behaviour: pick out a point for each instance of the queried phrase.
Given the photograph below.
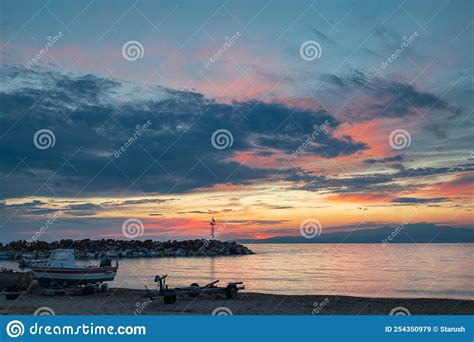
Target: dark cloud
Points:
(203, 212)
(433, 171)
(88, 87)
(43, 211)
(257, 222)
(91, 123)
(146, 200)
(410, 200)
(387, 98)
(84, 206)
(28, 205)
(397, 158)
(353, 184)
(333, 79)
(438, 129)
(195, 212)
(279, 207)
(265, 153)
(378, 183)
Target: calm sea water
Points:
(370, 270)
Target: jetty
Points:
(95, 249)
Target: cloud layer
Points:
(175, 154)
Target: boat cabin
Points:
(62, 258)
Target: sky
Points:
(270, 116)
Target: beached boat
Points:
(12, 283)
(61, 271)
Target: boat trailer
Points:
(194, 290)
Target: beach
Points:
(120, 301)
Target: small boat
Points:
(13, 282)
(61, 271)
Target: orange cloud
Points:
(359, 198)
(461, 186)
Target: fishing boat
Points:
(13, 282)
(61, 271)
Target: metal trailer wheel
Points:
(231, 292)
(194, 295)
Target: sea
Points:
(367, 270)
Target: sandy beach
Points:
(118, 301)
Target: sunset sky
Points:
(341, 138)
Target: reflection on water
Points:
(397, 270)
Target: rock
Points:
(90, 249)
(180, 253)
(201, 251)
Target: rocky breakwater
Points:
(94, 249)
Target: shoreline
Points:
(121, 301)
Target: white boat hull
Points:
(67, 277)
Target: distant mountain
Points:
(411, 233)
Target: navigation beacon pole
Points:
(212, 223)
